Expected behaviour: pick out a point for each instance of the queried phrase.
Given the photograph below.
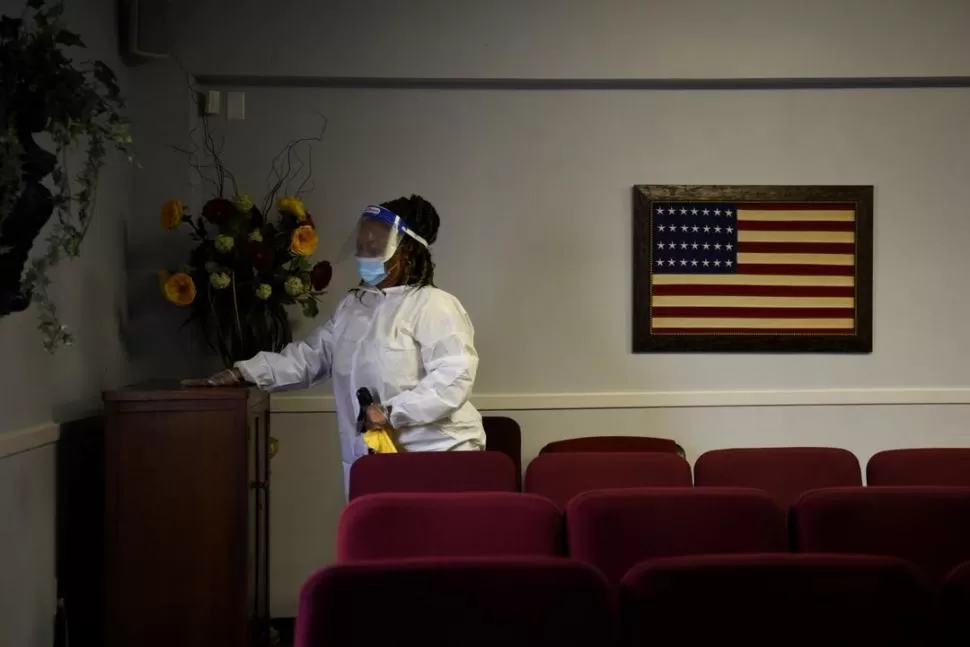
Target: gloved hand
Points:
(379, 434)
(375, 417)
(228, 377)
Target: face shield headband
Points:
(394, 222)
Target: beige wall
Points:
(38, 389)
(28, 590)
(599, 39)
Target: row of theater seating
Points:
(688, 566)
(783, 472)
(940, 466)
(627, 564)
(750, 600)
(614, 529)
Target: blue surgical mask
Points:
(371, 270)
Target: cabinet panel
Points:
(183, 518)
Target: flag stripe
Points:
(797, 206)
(796, 248)
(796, 236)
(787, 216)
(794, 225)
(797, 270)
(755, 313)
(796, 259)
(722, 301)
(781, 268)
(754, 331)
(740, 279)
(722, 289)
(740, 322)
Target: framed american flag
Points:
(752, 269)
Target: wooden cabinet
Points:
(186, 517)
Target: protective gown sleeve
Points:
(447, 341)
(300, 365)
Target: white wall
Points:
(38, 389)
(579, 38)
(28, 591)
(534, 189)
(535, 194)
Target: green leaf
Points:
(310, 308)
(68, 39)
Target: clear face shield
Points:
(374, 241)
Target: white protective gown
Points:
(412, 347)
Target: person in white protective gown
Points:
(409, 343)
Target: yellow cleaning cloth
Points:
(380, 441)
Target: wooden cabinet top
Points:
(170, 391)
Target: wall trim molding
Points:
(289, 403)
(517, 83)
(18, 441)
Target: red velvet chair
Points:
(455, 524)
(615, 529)
(927, 526)
(785, 473)
(775, 600)
(560, 477)
(443, 603)
(433, 472)
(956, 606)
(504, 435)
(614, 444)
(928, 466)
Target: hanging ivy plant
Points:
(78, 107)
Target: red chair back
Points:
(927, 526)
(785, 473)
(772, 600)
(456, 524)
(561, 476)
(929, 466)
(615, 529)
(504, 435)
(442, 603)
(433, 472)
(613, 444)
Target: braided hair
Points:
(421, 218)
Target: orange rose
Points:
(304, 240)
(179, 289)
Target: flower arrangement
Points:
(79, 106)
(247, 266)
(245, 270)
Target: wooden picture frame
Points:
(794, 271)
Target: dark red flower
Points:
(320, 275)
(261, 255)
(218, 211)
(256, 217)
